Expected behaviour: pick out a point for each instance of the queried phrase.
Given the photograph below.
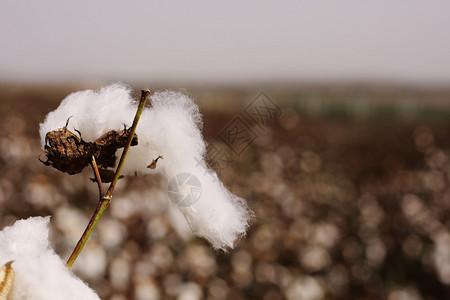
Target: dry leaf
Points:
(68, 152)
(153, 164)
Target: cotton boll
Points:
(93, 113)
(39, 271)
(171, 127)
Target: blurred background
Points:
(346, 165)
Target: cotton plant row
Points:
(93, 129)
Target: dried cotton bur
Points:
(69, 153)
(6, 280)
(170, 143)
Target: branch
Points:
(97, 176)
(106, 200)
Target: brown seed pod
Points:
(6, 280)
(69, 153)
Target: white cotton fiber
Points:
(39, 271)
(93, 113)
(171, 127)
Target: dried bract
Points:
(69, 153)
(153, 164)
(6, 280)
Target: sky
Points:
(227, 41)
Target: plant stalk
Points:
(97, 176)
(105, 200)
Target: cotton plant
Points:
(92, 128)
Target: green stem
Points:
(144, 96)
(101, 207)
(106, 200)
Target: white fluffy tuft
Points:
(171, 128)
(39, 271)
(93, 113)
